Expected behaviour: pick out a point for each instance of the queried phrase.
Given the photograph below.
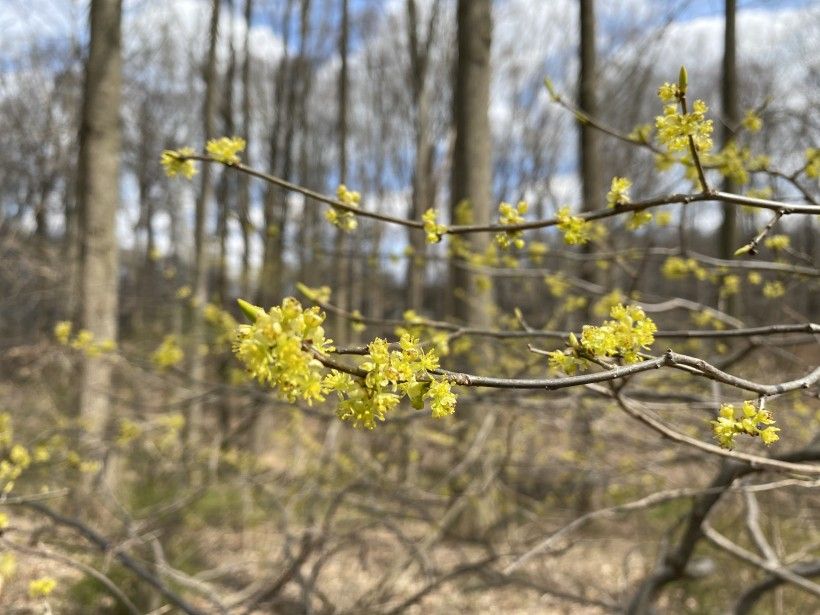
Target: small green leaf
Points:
(416, 392)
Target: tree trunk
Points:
(244, 199)
(472, 156)
(98, 199)
(592, 190)
(423, 193)
(341, 243)
(731, 119)
(587, 101)
(270, 283)
(730, 112)
(200, 277)
(226, 190)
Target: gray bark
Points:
(472, 155)
(98, 199)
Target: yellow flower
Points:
(773, 290)
(510, 215)
(777, 242)
(442, 400)
(813, 162)
(675, 128)
(177, 162)
(668, 92)
(8, 564)
(226, 149)
(19, 456)
(752, 122)
(432, 228)
(618, 192)
(638, 219)
(663, 218)
(62, 331)
(731, 285)
(576, 230)
(168, 354)
(754, 422)
(341, 218)
(42, 587)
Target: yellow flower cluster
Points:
(557, 284)
(226, 149)
(734, 163)
(536, 250)
(641, 133)
(62, 331)
(391, 374)
(280, 348)
(773, 290)
(168, 353)
(668, 92)
(605, 304)
(751, 121)
(320, 294)
(676, 268)
(83, 341)
(178, 162)
(618, 192)
(432, 228)
(628, 331)
(777, 242)
(42, 587)
(277, 348)
(128, 431)
(416, 326)
(638, 219)
(664, 218)
(813, 162)
(730, 286)
(675, 128)
(754, 422)
(222, 322)
(511, 215)
(341, 218)
(577, 231)
(18, 459)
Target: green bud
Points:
(250, 310)
(550, 88)
(743, 250)
(683, 80)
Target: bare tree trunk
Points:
(226, 192)
(244, 203)
(341, 332)
(423, 196)
(729, 104)
(592, 191)
(472, 155)
(590, 159)
(98, 200)
(200, 277)
(281, 147)
(731, 113)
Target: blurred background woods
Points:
(159, 478)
